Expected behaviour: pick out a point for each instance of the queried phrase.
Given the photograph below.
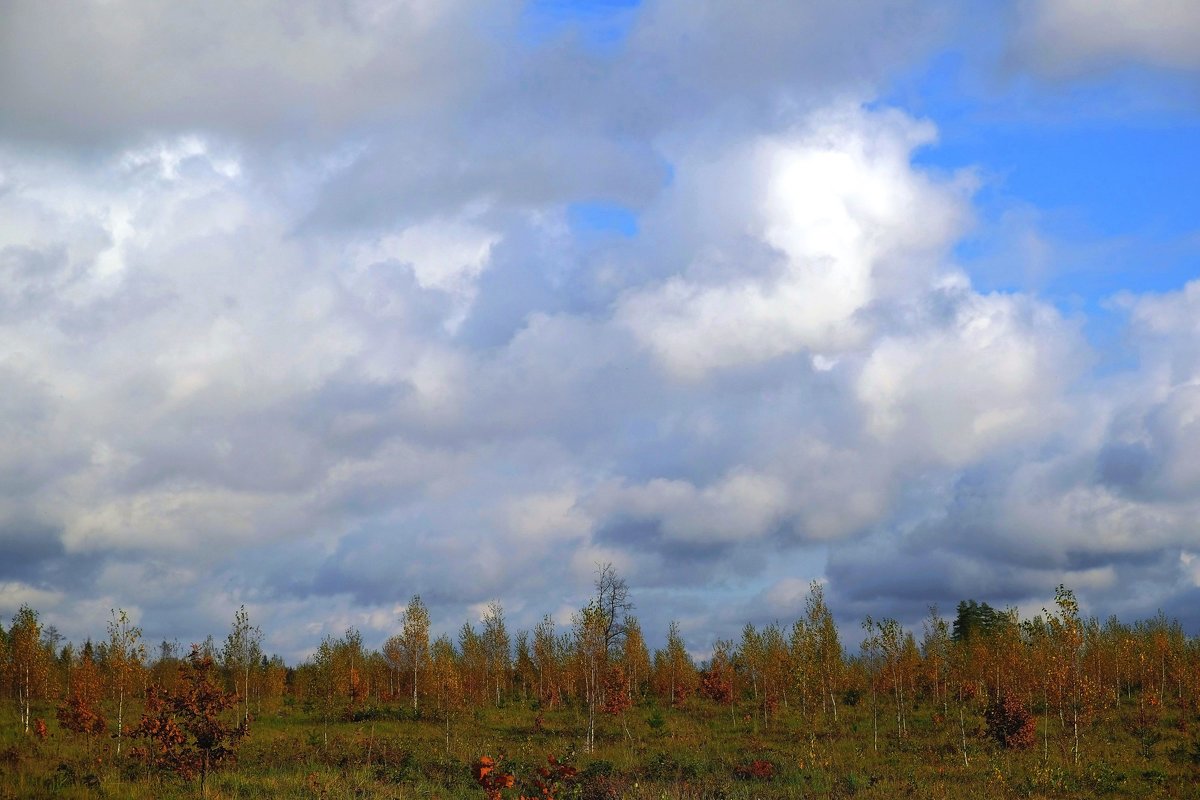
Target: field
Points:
(699, 750)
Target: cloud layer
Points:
(309, 306)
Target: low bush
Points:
(1010, 723)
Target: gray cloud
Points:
(1066, 38)
(95, 72)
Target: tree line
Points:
(984, 661)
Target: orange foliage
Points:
(616, 692)
(546, 785)
(717, 686)
(80, 713)
(183, 730)
(492, 781)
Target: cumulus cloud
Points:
(1105, 502)
(992, 375)
(841, 223)
(314, 321)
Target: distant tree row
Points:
(984, 661)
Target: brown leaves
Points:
(483, 767)
(1010, 723)
(182, 729)
(717, 685)
(550, 779)
(78, 716)
(490, 779)
(616, 692)
(757, 770)
(546, 785)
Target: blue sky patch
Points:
(599, 217)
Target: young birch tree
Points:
(826, 646)
(126, 655)
(29, 662)
(545, 660)
(446, 680)
(242, 653)
(591, 652)
(635, 658)
(871, 657)
(414, 641)
(674, 673)
(935, 647)
(497, 646)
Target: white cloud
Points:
(993, 377)
(547, 516)
(445, 255)
(14, 594)
(852, 224)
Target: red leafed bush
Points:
(1010, 723)
(78, 716)
(182, 729)
(490, 779)
(616, 692)
(716, 686)
(757, 770)
(550, 781)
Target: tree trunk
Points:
(1075, 725)
(874, 719)
(962, 728)
(120, 715)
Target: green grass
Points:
(692, 752)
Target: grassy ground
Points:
(698, 751)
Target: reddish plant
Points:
(1010, 723)
(39, 729)
(717, 686)
(616, 692)
(757, 770)
(81, 714)
(550, 780)
(78, 716)
(491, 779)
(183, 730)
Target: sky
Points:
(314, 305)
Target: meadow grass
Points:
(696, 751)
